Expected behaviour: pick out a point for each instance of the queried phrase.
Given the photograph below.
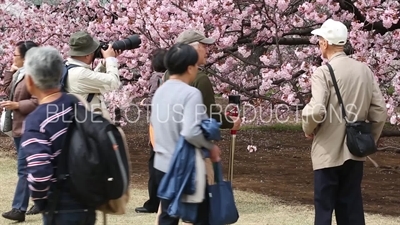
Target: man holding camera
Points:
(84, 81)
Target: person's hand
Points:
(118, 52)
(14, 68)
(109, 52)
(309, 137)
(10, 105)
(237, 121)
(215, 154)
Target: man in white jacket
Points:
(82, 80)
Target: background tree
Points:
(264, 49)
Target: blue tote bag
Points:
(222, 202)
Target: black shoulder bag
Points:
(360, 141)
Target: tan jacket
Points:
(27, 102)
(322, 116)
(83, 80)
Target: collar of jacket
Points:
(18, 75)
(337, 55)
(77, 62)
(158, 74)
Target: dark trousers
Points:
(165, 219)
(152, 204)
(72, 218)
(339, 189)
(68, 211)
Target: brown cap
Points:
(191, 36)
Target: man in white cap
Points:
(337, 172)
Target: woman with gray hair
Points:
(45, 130)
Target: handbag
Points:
(6, 123)
(360, 141)
(222, 207)
(6, 120)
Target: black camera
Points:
(128, 43)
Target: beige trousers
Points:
(210, 180)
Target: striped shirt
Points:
(42, 139)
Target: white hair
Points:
(45, 66)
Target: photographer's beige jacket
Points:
(322, 116)
(104, 78)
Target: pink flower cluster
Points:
(260, 45)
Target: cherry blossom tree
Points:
(264, 50)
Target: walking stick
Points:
(233, 99)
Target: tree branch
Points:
(294, 76)
(243, 90)
(378, 26)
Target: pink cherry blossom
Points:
(260, 45)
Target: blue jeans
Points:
(69, 212)
(21, 196)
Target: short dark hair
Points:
(157, 60)
(179, 57)
(24, 46)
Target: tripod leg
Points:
(231, 157)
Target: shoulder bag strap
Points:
(337, 91)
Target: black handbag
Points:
(360, 141)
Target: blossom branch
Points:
(348, 5)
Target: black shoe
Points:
(33, 211)
(15, 214)
(143, 210)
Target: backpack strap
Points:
(90, 97)
(65, 78)
(62, 168)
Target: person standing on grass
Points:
(44, 132)
(20, 103)
(178, 110)
(202, 82)
(157, 64)
(337, 173)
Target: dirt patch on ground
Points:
(280, 168)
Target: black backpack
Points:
(64, 80)
(94, 161)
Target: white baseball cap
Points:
(333, 31)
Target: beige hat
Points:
(190, 36)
